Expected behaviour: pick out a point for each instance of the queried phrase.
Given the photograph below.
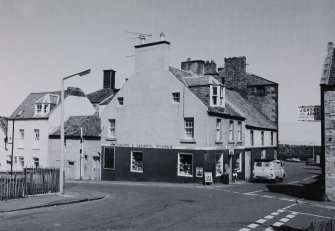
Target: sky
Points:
(285, 41)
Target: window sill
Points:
(111, 139)
(136, 171)
(20, 147)
(35, 148)
(185, 175)
(231, 141)
(190, 141)
(218, 141)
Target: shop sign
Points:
(309, 113)
(208, 177)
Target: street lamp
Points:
(61, 174)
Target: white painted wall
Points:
(258, 140)
(74, 106)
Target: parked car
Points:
(310, 161)
(270, 170)
(293, 160)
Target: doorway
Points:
(247, 165)
(96, 167)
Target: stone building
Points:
(173, 125)
(327, 86)
(5, 151)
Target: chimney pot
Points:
(162, 35)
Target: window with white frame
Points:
(221, 96)
(38, 108)
(239, 131)
(37, 138)
(21, 139)
(176, 97)
(111, 128)
(219, 164)
(271, 138)
(108, 158)
(21, 161)
(189, 127)
(215, 95)
(136, 162)
(238, 165)
(263, 154)
(231, 130)
(36, 162)
(218, 130)
(120, 101)
(262, 137)
(251, 137)
(46, 108)
(185, 164)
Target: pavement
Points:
(50, 199)
(72, 196)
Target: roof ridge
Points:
(261, 78)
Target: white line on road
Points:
(278, 224)
(284, 220)
(280, 210)
(286, 199)
(253, 192)
(252, 226)
(274, 213)
(293, 182)
(269, 229)
(290, 216)
(261, 221)
(306, 178)
(244, 229)
(267, 196)
(310, 214)
(269, 216)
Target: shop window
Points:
(136, 164)
(239, 162)
(109, 158)
(219, 164)
(176, 97)
(185, 164)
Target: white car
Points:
(271, 170)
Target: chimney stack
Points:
(235, 74)
(196, 66)
(109, 79)
(210, 68)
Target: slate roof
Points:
(26, 109)
(252, 80)
(3, 124)
(236, 105)
(254, 118)
(101, 95)
(91, 127)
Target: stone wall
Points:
(235, 74)
(266, 103)
(329, 135)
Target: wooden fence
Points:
(31, 181)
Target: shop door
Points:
(96, 168)
(247, 165)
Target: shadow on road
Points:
(286, 228)
(312, 191)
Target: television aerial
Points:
(141, 36)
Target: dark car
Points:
(310, 161)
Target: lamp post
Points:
(62, 174)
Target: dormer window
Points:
(45, 104)
(217, 96)
(38, 108)
(46, 108)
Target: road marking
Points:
(261, 221)
(310, 214)
(252, 225)
(290, 216)
(306, 178)
(293, 182)
(253, 192)
(274, 213)
(284, 220)
(267, 196)
(280, 210)
(244, 229)
(286, 199)
(269, 229)
(269, 216)
(277, 224)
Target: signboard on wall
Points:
(309, 113)
(208, 177)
